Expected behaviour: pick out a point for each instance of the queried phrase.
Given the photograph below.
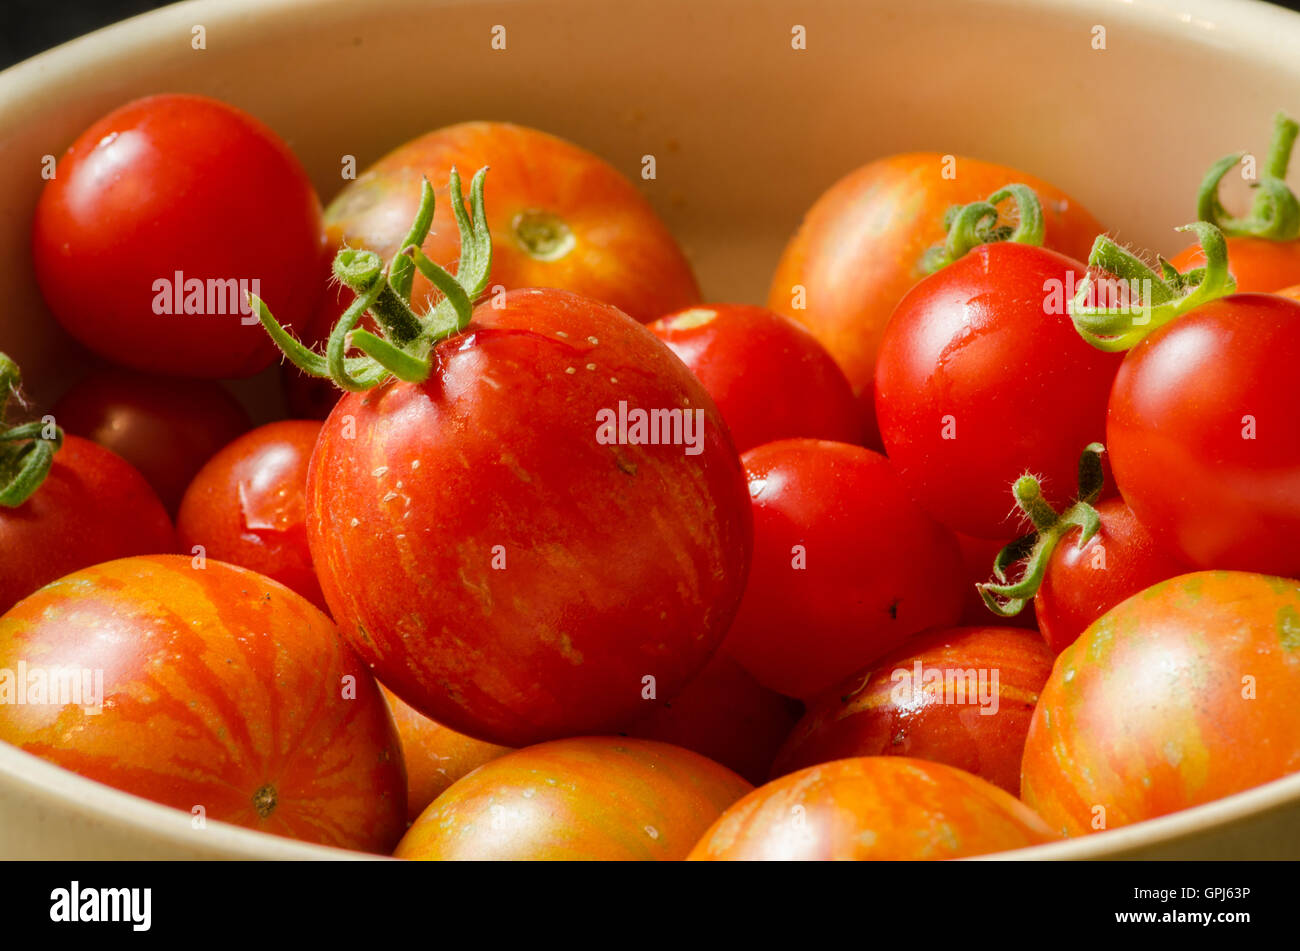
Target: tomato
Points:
(983, 377)
(770, 378)
(435, 756)
(967, 704)
(977, 555)
(248, 505)
(91, 507)
(166, 427)
(1204, 434)
(560, 217)
(846, 567)
(590, 798)
(160, 218)
(502, 542)
(725, 715)
(1258, 264)
(872, 808)
(1180, 695)
(215, 691)
(859, 248)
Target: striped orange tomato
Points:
(223, 694)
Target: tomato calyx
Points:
(1007, 598)
(404, 347)
(969, 226)
(1122, 299)
(26, 450)
(1275, 213)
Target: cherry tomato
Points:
(505, 544)
(983, 377)
(166, 427)
(1180, 695)
(872, 808)
(584, 799)
(859, 248)
(213, 690)
(91, 507)
(846, 567)
(1204, 434)
(961, 696)
(1258, 264)
(160, 218)
(248, 505)
(770, 378)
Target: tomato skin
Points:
(435, 756)
(858, 249)
(876, 568)
(1258, 264)
(981, 380)
(723, 714)
(866, 715)
(221, 689)
(1082, 584)
(167, 427)
(584, 799)
(1147, 725)
(248, 506)
(1211, 398)
(872, 808)
(770, 378)
(92, 507)
(499, 454)
(167, 184)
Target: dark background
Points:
(31, 26)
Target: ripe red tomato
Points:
(725, 715)
(1180, 695)
(222, 694)
(502, 543)
(846, 567)
(248, 506)
(1204, 434)
(872, 808)
(982, 377)
(160, 217)
(968, 705)
(590, 798)
(1082, 584)
(770, 378)
(166, 427)
(435, 756)
(859, 248)
(560, 217)
(91, 507)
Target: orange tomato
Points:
(1258, 264)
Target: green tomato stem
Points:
(27, 450)
(977, 223)
(1274, 213)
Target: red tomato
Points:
(224, 694)
(435, 756)
(1180, 695)
(1204, 434)
(1258, 264)
(977, 555)
(1082, 584)
(166, 427)
(983, 377)
(969, 707)
(559, 215)
(502, 543)
(160, 218)
(725, 715)
(770, 378)
(92, 507)
(872, 808)
(859, 248)
(591, 798)
(248, 506)
(846, 567)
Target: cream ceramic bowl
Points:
(746, 132)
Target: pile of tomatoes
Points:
(551, 559)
